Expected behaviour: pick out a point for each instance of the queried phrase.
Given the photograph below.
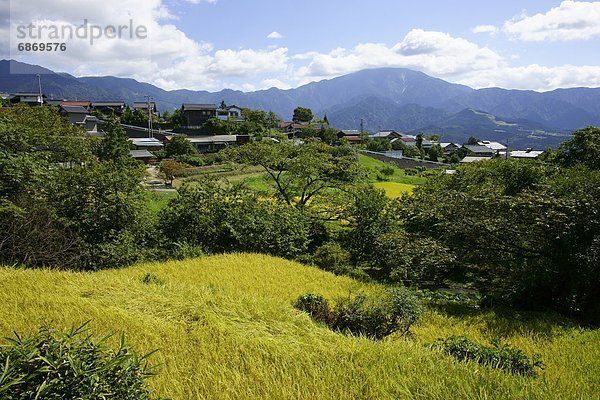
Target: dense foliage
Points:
(526, 234)
(499, 356)
(66, 199)
(375, 317)
(55, 365)
(219, 219)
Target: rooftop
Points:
(213, 139)
(492, 145)
(74, 109)
(470, 159)
(199, 107)
(477, 149)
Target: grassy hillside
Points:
(226, 329)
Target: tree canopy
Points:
(302, 114)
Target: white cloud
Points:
(167, 57)
(170, 59)
(436, 53)
(536, 77)
(275, 35)
(491, 29)
(274, 83)
(571, 20)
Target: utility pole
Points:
(40, 89)
(149, 118)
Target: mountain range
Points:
(385, 98)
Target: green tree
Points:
(473, 141)
(60, 205)
(179, 146)
(525, 232)
(302, 172)
(114, 145)
(435, 152)
(302, 114)
(583, 148)
(170, 169)
(176, 118)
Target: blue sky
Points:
(210, 45)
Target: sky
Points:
(257, 44)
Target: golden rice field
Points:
(395, 190)
(225, 329)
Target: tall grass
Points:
(226, 329)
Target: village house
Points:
(143, 106)
(448, 147)
(75, 114)
(479, 151)
(496, 146)
(32, 99)
(80, 116)
(77, 103)
(386, 135)
(196, 115)
(109, 107)
(351, 135)
(213, 144)
(230, 112)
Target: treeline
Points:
(525, 234)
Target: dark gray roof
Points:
(74, 109)
(350, 132)
(109, 104)
(143, 104)
(478, 149)
(27, 94)
(140, 154)
(199, 107)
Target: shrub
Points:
(151, 279)
(396, 311)
(315, 305)
(332, 257)
(388, 170)
(498, 356)
(53, 365)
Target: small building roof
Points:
(350, 132)
(74, 109)
(75, 103)
(477, 149)
(109, 104)
(525, 153)
(492, 145)
(470, 159)
(198, 107)
(140, 154)
(147, 142)
(27, 94)
(443, 145)
(213, 139)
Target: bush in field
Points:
(267, 227)
(332, 257)
(53, 365)
(375, 317)
(498, 356)
(314, 305)
(217, 219)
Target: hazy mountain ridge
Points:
(387, 98)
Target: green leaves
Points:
(71, 365)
